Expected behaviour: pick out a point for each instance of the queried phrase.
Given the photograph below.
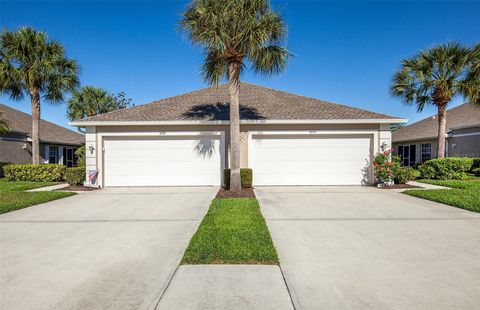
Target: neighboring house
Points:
(285, 138)
(417, 142)
(57, 144)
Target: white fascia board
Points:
(250, 122)
(144, 123)
(327, 121)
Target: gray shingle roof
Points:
(256, 103)
(464, 115)
(21, 122)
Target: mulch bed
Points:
(244, 193)
(78, 188)
(400, 186)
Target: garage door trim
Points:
(159, 133)
(311, 134)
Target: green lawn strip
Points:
(467, 183)
(233, 232)
(464, 194)
(15, 186)
(10, 201)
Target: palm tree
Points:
(32, 64)
(435, 76)
(232, 33)
(88, 101)
(4, 128)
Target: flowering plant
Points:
(385, 166)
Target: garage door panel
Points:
(162, 162)
(310, 161)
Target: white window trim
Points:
(425, 153)
(56, 155)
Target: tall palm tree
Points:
(88, 101)
(233, 33)
(32, 64)
(435, 76)
(4, 127)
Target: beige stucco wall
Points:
(12, 151)
(460, 143)
(464, 142)
(95, 136)
(418, 145)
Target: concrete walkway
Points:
(426, 185)
(106, 249)
(212, 287)
(366, 248)
(49, 188)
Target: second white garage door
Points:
(168, 161)
(310, 160)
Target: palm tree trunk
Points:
(234, 89)
(35, 100)
(442, 119)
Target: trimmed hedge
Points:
(475, 163)
(403, 175)
(476, 172)
(3, 164)
(246, 177)
(446, 168)
(75, 176)
(36, 173)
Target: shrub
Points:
(476, 171)
(403, 175)
(75, 176)
(246, 177)
(36, 173)
(80, 153)
(2, 164)
(445, 168)
(385, 166)
(475, 163)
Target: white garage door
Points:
(306, 160)
(168, 161)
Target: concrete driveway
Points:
(107, 249)
(366, 248)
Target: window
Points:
(53, 155)
(426, 151)
(407, 154)
(69, 157)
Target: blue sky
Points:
(345, 52)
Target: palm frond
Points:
(29, 60)
(236, 31)
(435, 76)
(4, 126)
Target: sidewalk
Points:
(226, 287)
(426, 185)
(49, 188)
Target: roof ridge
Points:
(41, 119)
(316, 99)
(159, 101)
(435, 115)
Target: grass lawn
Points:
(14, 197)
(464, 194)
(233, 232)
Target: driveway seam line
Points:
(99, 221)
(374, 219)
(166, 287)
(288, 288)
